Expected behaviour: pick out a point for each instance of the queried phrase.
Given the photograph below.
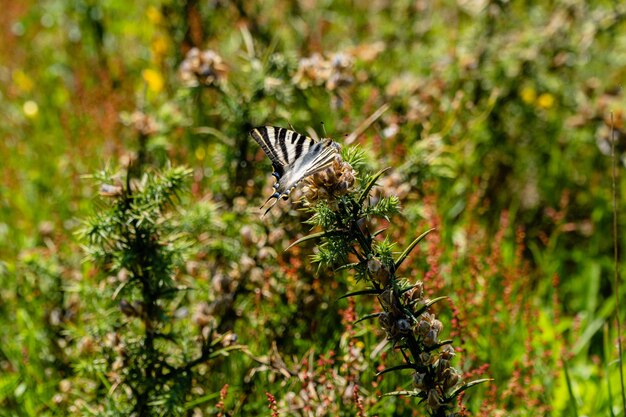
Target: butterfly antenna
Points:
(291, 126)
(324, 129)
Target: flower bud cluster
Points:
(143, 123)
(333, 72)
(202, 68)
(331, 183)
(404, 317)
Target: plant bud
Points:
(433, 400)
(448, 352)
(437, 326)
(403, 326)
(430, 338)
(387, 298)
(373, 266)
(423, 327)
(451, 377)
(418, 380)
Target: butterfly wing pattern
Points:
(294, 157)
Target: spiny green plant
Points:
(345, 214)
(136, 242)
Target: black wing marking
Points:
(294, 157)
(264, 136)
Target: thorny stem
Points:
(365, 242)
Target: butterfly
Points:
(294, 157)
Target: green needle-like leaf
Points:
(408, 250)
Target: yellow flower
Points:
(159, 47)
(200, 153)
(30, 109)
(23, 81)
(154, 15)
(545, 101)
(528, 95)
(154, 79)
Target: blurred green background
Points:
(497, 132)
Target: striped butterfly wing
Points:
(294, 157)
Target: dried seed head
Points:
(431, 338)
(143, 123)
(387, 298)
(448, 352)
(341, 71)
(313, 70)
(109, 190)
(403, 326)
(416, 293)
(385, 321)
(437, 326)
(378, 271)
(331, 183)
(419, 380)
(425, 358)
(451, 377)
(423, 327)
(202, 68)
(434, 399)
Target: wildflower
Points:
(341, 71)
(367, 52)
(528, 95)
(202, 68)
(332, 73)
(153, 79)
(30, 108)
(109, 190)
(143, 123)
(545, 100)
(314, 70)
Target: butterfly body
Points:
(294, 157)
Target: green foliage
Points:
(494, 117)
(405, 318)
(150, 354)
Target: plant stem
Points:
(616, 268)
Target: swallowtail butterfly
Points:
(294, 157)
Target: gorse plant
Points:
(149, 358)
(345, 214)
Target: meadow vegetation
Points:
(468, 220)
